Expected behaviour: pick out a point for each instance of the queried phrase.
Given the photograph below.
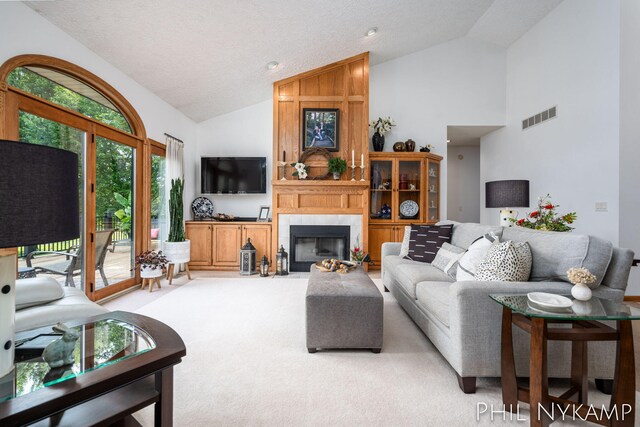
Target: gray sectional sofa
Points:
(464, 324)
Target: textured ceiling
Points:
(208, 57)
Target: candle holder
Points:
(284, 171)
(362, 168)
(353, 172)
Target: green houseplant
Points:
(177, 249)
(337, 166)
(151, 263)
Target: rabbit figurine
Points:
(60, 352)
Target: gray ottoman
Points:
(343, 311)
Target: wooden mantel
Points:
(343, 85)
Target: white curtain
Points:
(174, 169)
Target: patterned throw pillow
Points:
(507, 261)
(404, 248)
(447, 259)
(475, 254)
(426, 240)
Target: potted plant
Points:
(176, 247)
(337, 166)
(152, 264)
(546, 218)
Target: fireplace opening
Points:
(311, 243)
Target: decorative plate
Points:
(549, 302)
(409, 208)
(202, 208)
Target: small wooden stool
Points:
(170, 272)
(150, 282)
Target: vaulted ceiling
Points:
(208, 57)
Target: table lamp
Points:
(38, 204)
(506, 195)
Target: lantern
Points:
(264, 266)
(282, 262)
(248, 259)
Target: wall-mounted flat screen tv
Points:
(233, 175)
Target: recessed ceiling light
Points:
(272, 65)
(371, 32)
(448, 141)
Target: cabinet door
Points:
(260, 235)
(382, 188)
(410, 201)
(226, 245)
(433, 186)
(379, 234)
(200, 237)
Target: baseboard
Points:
(632, 298)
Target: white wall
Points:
(569, 59)
(23, 31)
(463, 184)
(245, 132)
(630, 133)
(461, 82)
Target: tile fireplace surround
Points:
(287, 220)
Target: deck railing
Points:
(101, 224)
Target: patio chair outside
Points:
(73, 259)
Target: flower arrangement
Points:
(300, 170)
(152, 260)
(426, 148)
(381, 125)
(358, 254)
(580, 275)
(546, 218)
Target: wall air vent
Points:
(540, 117)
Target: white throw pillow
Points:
(477, 252)
(404, 248)
(37, 291)
(506, 262)
(447, 259)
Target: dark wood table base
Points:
(545, 408)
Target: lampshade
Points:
(507, 194)
(38, 204)
(39, 188)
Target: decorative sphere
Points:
(399, 146)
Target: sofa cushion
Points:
(466, 233)
(447, 259)
(404, 248)
(426, 240)
(434, 298)
(506, 261)
(554, 253)
(598, 259)
(407, 273)
(468, 264)
(37, 291)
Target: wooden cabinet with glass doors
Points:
(405, 189)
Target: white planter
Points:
(581, 292)
(148, 272)
(177, 252)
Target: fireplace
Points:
(311, 243)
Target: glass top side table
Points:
(101, 343)
(585, 320)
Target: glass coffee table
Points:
(585, 319)
(123, 362)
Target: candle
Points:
(362, 160)
(353, 161)
(284, 156)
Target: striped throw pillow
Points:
(426, 240)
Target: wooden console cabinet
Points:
(216, 245)
(397, 179)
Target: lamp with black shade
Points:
(505, 195)
(38, 204)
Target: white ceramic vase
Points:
(148, 272)
(581, 292)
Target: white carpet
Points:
(247, 365)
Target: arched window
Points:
(49, 101)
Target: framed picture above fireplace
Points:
(321, 128)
